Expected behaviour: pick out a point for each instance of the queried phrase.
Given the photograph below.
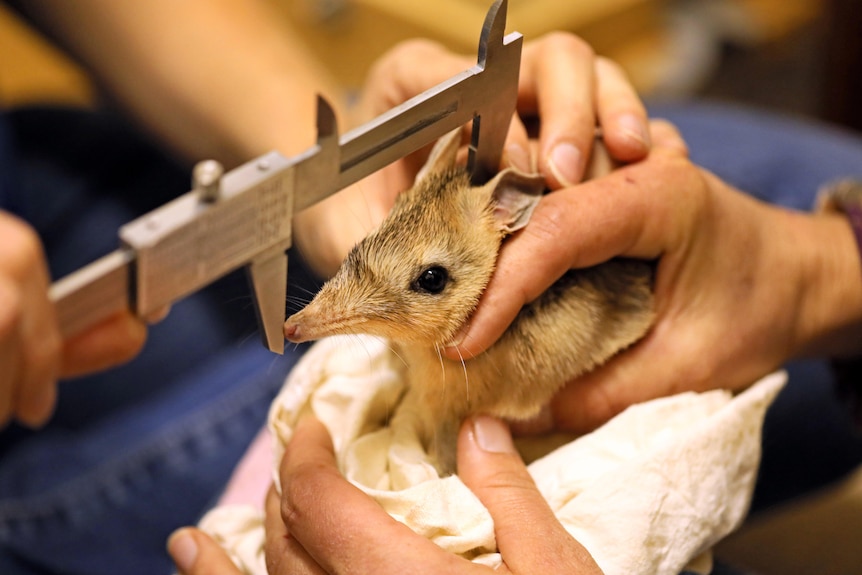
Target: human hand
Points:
(324, 524)
(195, 553)
(741, 286)
(33, 354)
(563, 87)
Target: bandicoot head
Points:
(417, 278)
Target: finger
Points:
(341, 528)
(395, 77)
(9, 346)
(557, 83)
(666, 136)
(40, 352)
(621, 114)
(622, 214)
(527, 531)
(158, 315)
(29, 321)
(37, 400)
(116, 340)
(633, 377)
(516, 151)
(284, 554)
(195, 553)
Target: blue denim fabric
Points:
(103, 498)
(779, 159)
(135, 452)
(138, 451)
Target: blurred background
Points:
(800, 57)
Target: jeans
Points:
(135, 452)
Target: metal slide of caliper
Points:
(243, 217)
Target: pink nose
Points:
(292, 332)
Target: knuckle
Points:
(299, 490)
(547, 225)
(508, 492)
(509, 484)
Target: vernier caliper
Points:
(243, 218)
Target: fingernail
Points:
(517, 157)
(183, 549)
(565, 163)
(634, 129)
(492, 435)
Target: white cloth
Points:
(649, 492)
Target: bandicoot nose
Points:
(292, 331)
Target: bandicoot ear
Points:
(514, 195)
(442, 155)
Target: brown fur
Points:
(579, 323)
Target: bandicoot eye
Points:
(432, 280)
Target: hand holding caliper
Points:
(243, 218)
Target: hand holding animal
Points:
(416, 279)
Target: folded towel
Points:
(650, 492)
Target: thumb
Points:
(529, 536)
(195, 553)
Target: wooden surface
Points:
(33, 70)
(351, 38)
